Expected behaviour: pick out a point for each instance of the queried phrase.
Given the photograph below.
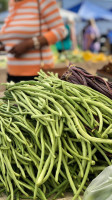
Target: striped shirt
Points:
(23, 23)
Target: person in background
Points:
(90, 37)
(109, 36)
(66, 43)
(31, 27)
(73, 34)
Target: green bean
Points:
(37, 127)
(8, 106)
(53, 129)
(84, 150)
(106, 131)
(15, 135)
(52, 111)
(42, 116)
(98, 168)
(51, 165)
(73, 152)
(20, 110)
(86, 105)
(108, 149)
(22, 157)
(60, 192)
(18, 164)
(9, 197)
(44, 189)
(59, 161)
(40, 178)
(67, 154)
(92, 139)
(86, 173)
(41, 163)
(57, 188)
(12, 174)
(103, 154)
(3, 133)
(29, 187)
(100, 118)
(2, 163)
(52, 100)
(50, 150)
(11, 187)
(41, 194)
(2, 191)
(69, 176)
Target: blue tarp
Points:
(69, 4)
(75, 8)
(89, 10)
(3, 15)
(74, 4)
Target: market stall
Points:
(56, 130)
(55, 142)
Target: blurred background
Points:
(79, 12)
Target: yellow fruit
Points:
(87, 55)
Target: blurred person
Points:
(109, 36)
(67, 42)
(91, 36)
(73, 34)
(31, 27)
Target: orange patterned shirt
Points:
(23, 23)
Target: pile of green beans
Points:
(54, 137)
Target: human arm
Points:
(56, 29)
(27, 45)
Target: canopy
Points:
(75, 8)
(89, 10)
(68, 14)
(74, 5)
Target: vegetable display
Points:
(3, 61)
(68, 56)
(79, 75)
(77, 55)
(54, 137)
